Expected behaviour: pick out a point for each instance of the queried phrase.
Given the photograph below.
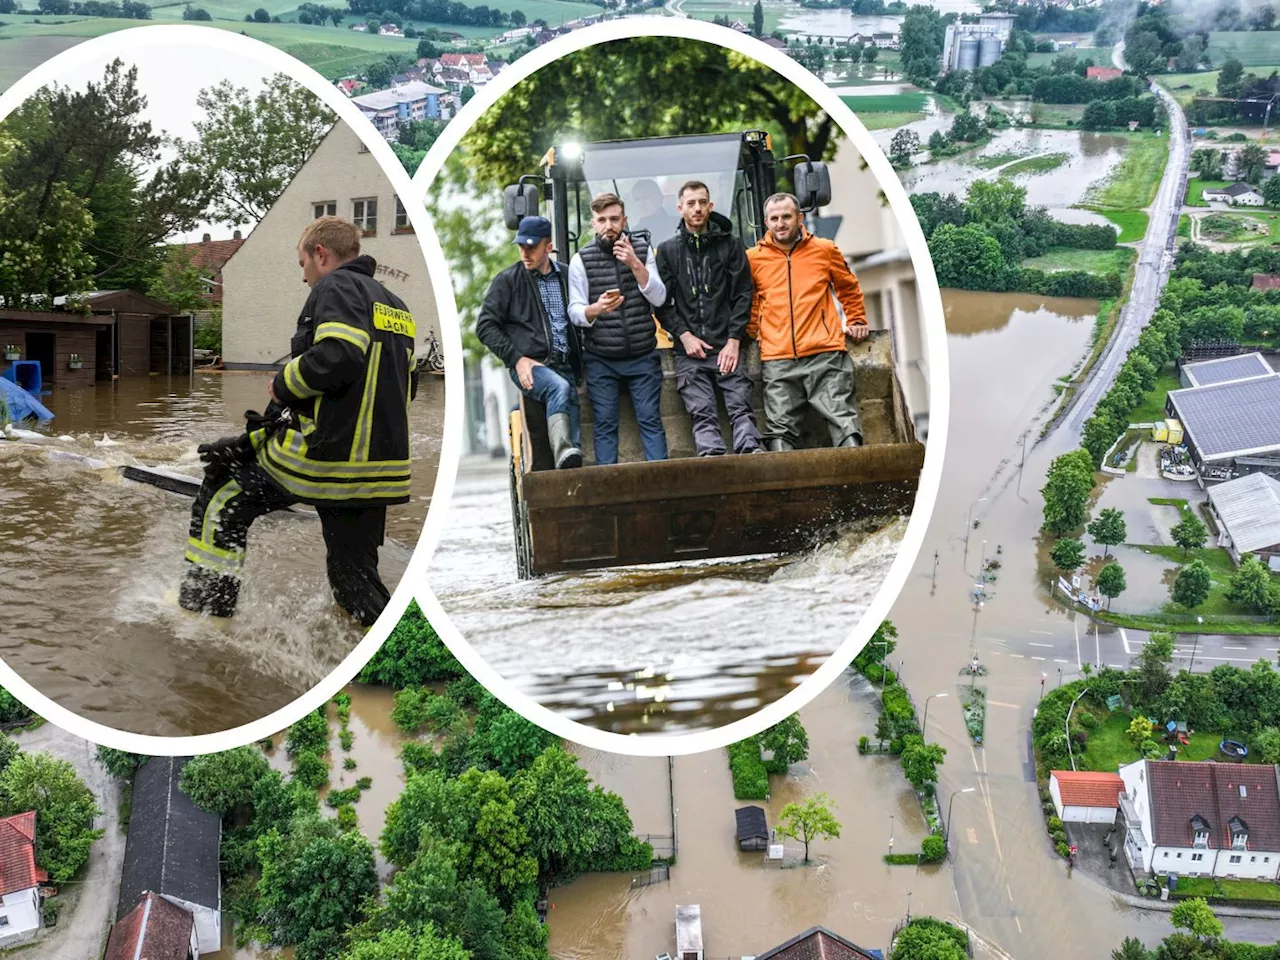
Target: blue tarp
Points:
(17, 404)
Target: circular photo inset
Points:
(705, 342)
(221, 392)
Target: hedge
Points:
(750, 778)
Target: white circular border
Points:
(133, 43)
(658, 744)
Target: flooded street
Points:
(747, 905)
(95, 562)
(686, 662)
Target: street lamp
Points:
(968, 523)
(949, 803)
(1196, 644)
(891, 834)
(1043, 676)
(925, 722)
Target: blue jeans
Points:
(643, 377)
(554, 388)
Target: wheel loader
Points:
(688, 507)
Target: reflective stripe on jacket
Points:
(793, 313)
(348, 385)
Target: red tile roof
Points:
(817, 943)
(1082, 788)
(18, 870)
(1102, 73)
(211, 255)
(459, 59)
(154, 930)
(1181, 790)
(1266, 281)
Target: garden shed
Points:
(689, 932)
(753, 828)
(1083, 796)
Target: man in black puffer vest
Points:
(708, 308)
(614, 287)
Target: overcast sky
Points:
(171, 78)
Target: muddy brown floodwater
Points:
(92, 562)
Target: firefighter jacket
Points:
(794, 314)
(348, 386)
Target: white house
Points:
(20, 880)
(689, 932)
(262, 285)
(1238, 194)
(172, 852)
(1202, 819)
(1082, 796)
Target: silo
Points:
(969, 53)
(989, 51)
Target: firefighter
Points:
(335, 435)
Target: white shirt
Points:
(655, 291)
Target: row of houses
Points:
(1200, 819)
(254, 279)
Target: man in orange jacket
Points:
(802, 339)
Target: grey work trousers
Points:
(696, 380)
(823, 381)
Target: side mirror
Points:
(519, 200)
(813, 184)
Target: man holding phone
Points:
(707, 311)
(614, 287)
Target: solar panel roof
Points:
(1226, 368)
(1231, 419)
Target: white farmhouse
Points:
(1202, 819)
(1085, 796)
(263, 291)
(1238, 194)
(20, 880)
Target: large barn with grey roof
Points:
(1230, 416)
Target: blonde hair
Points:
(340, 237)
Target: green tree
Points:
(314, 878)
(1251, 584)
(1131, 948)
(1207, 162)
(413, 654)
(403, 943)
(181, 283)
(757, 20)
(1066, 492)
(1111, 582)
(905, 145)
(1154, 662)
(1067, 555)
(1251, 161)
(223, 783)
(509, 742)
(9, 751)
(1108, 528)
(920, 42)
(310, 734)
(920, 762)
(966, 257)
(1140, 730)
(496, 839)
(992, 201)
(928, 939)
(938, 142)
(788, 741)
(1271, 191)
(933, 848)
(1230, 78)
(1267, 744)
(1196, 916)
(65, 809)
(809, 820)
(1190, 532)
(248, 149)
(119, 764)
(1191, 586)
(428, 50)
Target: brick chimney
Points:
(236, 236)
(206, 238)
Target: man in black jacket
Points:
(524, 321)
(336, 435)
(708, 307)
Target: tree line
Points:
(434, 11)
(980, 242)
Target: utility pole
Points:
(1023, 459)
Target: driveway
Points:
(89, 901)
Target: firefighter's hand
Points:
(693, 346)
(524, 371)
(856, 332)
(729, 357)
(625, 253)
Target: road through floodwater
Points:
(92, 561)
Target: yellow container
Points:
(1160, 431)
(1175, 431)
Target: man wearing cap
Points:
(524, 321)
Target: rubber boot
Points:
(565, 454)
(779, 445)
(853, 440)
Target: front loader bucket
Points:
(707, 507)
